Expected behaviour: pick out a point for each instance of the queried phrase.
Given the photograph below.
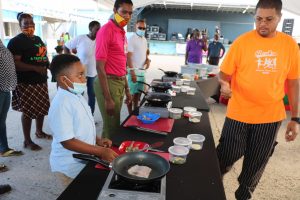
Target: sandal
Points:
(32, 146)
(4, 189)
(3, 168)
(11, 152)
(43, 135)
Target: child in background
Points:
(71, 121)
(59, 50)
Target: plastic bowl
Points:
(187, 110)
(132, 146)
(182, 141)
(176, 88)
(175, 113)
(148, 118)
(191, 91)
(178, 154)
(197, 141)
(184, 88)
(195, 116)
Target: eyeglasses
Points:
(267, 20)
(141, 28)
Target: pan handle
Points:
(144, 83)
(92, 158)
(162, 70)
(145, 93)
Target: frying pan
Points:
(158, 86)
(169, 73)
(122, 163)
(157, 99)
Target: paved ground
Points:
(31, 179)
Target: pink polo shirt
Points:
(111, 47)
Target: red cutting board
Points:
(161, 125)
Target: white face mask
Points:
(140, 33)
(78, 88)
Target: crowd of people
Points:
(198, 44)
(110, 66)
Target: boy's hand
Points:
(104, 142)
(108, 154)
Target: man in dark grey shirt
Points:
(214, 51)
(8, 82)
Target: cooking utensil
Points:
(125, 146)
(169, 73)
(151, 146)
(159, 166)
(157, 99)
(148, 130)
(158, 86)
(130, 146)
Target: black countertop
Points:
(198, 179)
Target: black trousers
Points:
(255, 142)
(213, 60)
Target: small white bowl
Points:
(195, 116)
(178, 154)
(191, 91)
(175, 113)
(182, 141)
(176, 89)
(188, 109)
(197, 141)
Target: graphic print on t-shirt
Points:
(266, 61)
(41, 53)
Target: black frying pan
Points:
(122, 163)
(157, 99)
(169, 73)
(158, 86)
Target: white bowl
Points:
(197, 141)
(188, 109)
(182, 141)
(178, 154)
(195, 116)
(175, 113)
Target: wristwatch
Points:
(296, 119)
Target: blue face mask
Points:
(78, 88)
(140, 33)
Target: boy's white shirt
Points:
(69, 117)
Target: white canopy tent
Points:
(218, 5)
(288, 5)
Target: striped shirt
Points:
(8, 76)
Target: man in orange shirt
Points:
(253, 76)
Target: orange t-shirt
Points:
(259, 67)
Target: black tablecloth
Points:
(182, 99)
(198, 179)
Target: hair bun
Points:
(19, 15)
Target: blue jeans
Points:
(91, 93)
(4, 106)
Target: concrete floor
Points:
(31, 178)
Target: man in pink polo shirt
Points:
(111, 50)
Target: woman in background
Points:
(31, 94)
